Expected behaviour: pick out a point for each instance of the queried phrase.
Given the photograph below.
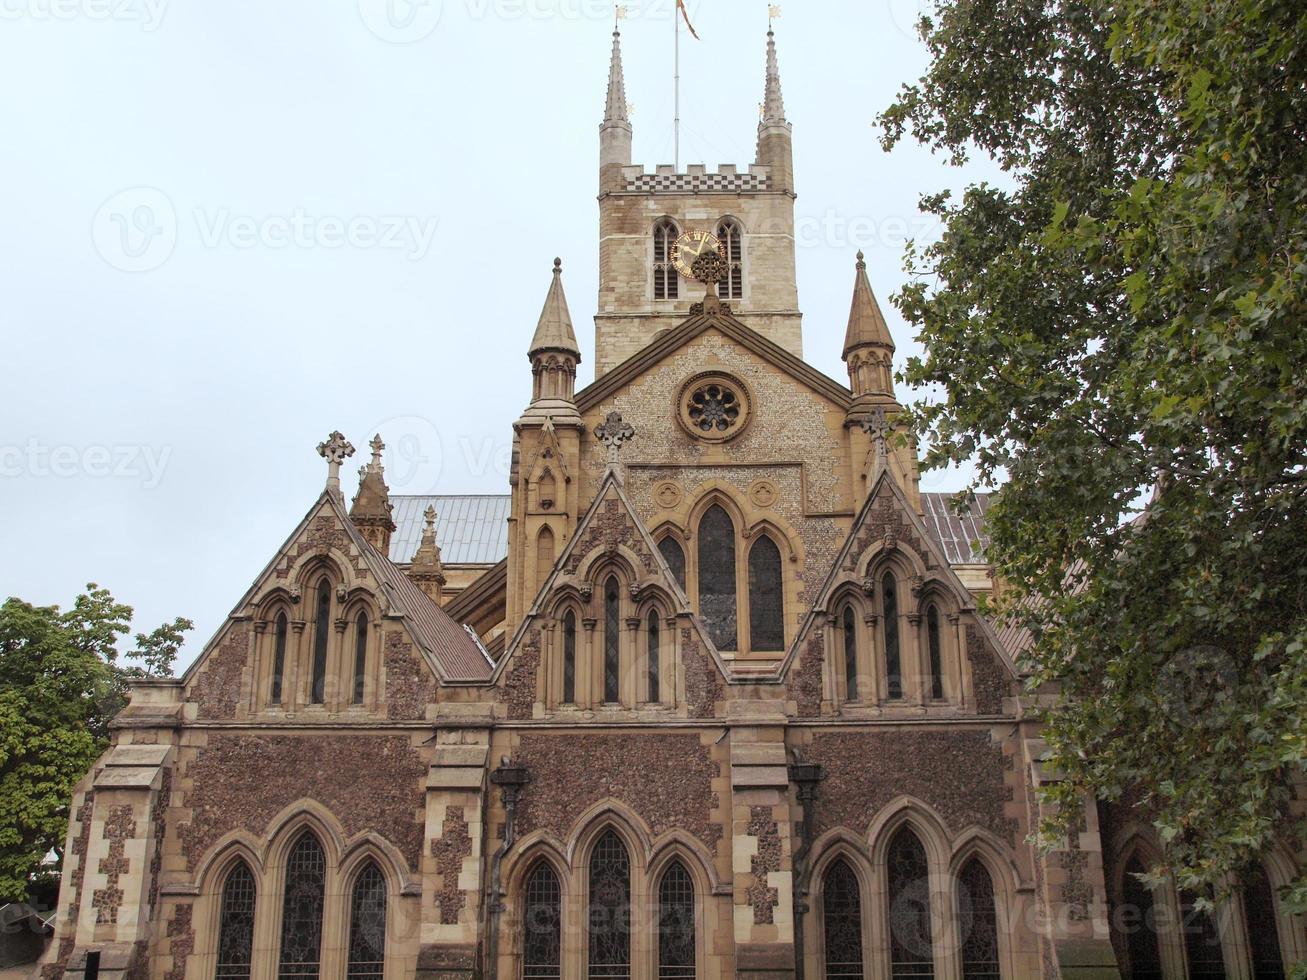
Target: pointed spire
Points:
(867, 326)
(773, 106)
(615, 109)
(554, 331)
(426, 570)
(371, 510)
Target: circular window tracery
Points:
(713, 407)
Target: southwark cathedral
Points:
(708, 695)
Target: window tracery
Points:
(321, 633)
(717, 585)
(731, 235)
(766, 597)
(978, 923)
(367, 926)
(609, 916)
(665, 279)
(676, 929)
(301, 917)
(542, 916)
(911, 944)
(279, 657)
(360, 655)
(236, 924)
(842, 923)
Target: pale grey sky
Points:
(229, 228)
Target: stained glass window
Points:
(893, 662)
(731, 235)
(236, 928)
(850, 630)
(911, 948)
(321, 630)
(841, 911)
(542, 926)
(569, 658)
(936, 657)
(1138, 920)
(674, 555)
(766, 598)
(367, 925)
(609, 920)
(1201, 942)
(1263, 929)
(301, 913)
(655, 681)
(978, 923)
(665, 277)
(360, 655)
(612, 641)
(279, 657)
(717, 578)
(676, 949)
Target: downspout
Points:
(511, 780)
(806, 776)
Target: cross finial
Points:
(335, 450)
(876, 425)
(614, 433)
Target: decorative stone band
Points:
(727, 183)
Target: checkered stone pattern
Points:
(697, 183)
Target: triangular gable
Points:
(610, 522)
(745, 336)
(452, 654)
(887, 516)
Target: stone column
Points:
(761, 835)
(451, 865)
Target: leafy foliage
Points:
(61, 683)
(1122, 322)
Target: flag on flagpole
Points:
(680, 4)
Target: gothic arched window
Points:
(544, 555)
(612, 641)
(841, 915)
(1263, 932)
(236, 926)
(674, 555)
(676, 946)
(321, 631)
(301, 913)
(1202, 943)
(889, 598)
(1139, 923)
(849, 626)
(911, 946)
(731, 235)
(367, 926)
(360, 654)
(935, 653)
(542, 917)
(278, 657)
(717, 586)
(978, 921)
(655, 638)
(766, 597)
(666, 284)
(569, 658)
(609, 919)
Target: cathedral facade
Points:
(708, 695)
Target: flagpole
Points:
(676, 85)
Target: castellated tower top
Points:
(643, 210)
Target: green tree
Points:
(1119, 334)
(61, 683)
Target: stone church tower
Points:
(710, 693)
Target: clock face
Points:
(689, 247)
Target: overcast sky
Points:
(229, 228)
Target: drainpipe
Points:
(805, 776)
(511, 780)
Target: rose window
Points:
(714, 407)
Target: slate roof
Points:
(472, 529)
